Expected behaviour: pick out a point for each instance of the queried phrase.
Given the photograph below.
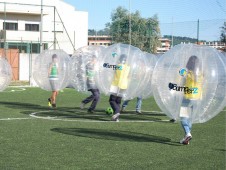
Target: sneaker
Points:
(82, 105)
(49, 102)
(138, 112)
(115, 117)
(186, 139)
(54, 105)
(90, 111)
(173, 120)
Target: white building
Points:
(215, 44)
(165, 45)
(22, 26)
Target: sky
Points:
(176, 17)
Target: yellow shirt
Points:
(194, 85)
(121, 77)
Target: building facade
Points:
(165, 45)
(63, 26)
(215, 44)
(107, 41)
(100, 40)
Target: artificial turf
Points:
(70, 138)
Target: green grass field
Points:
(68, 138)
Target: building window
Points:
(10, 26)
(31, 27)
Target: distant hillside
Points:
(178, 39)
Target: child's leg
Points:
(112, 101)
(96, 97)
(125, 103)
(115, 103)
(118, 104)
(88, 99)
(53, 97)
(139, 104)
(186, 125)
(185, 114)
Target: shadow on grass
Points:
(223, 150)
(114, 135)
(144, 113)
(26, 106)
(76, 112)
(20, 105)
(73, 114)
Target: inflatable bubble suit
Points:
(51, 70)
(122, 71)
(223, 56)
(84, 67)
(190, 81)
(5, 73)
(151, 60)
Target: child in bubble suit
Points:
(139, 72)
(193, 79)
(53, 75)
(91, 86)
(119, 86)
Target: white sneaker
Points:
(186, 139)
(138, 112)
(115, 117)
(82, 105)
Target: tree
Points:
(223, 33)
(145, 33)
(153, 34)
(104, 31)
(93, 32)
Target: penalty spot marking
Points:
(65, 118)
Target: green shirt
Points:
(54, 71)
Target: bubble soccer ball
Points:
(109, 111)
(84, 68)
(190, 81)
(51, 70)
(146, 89)
(5, 73)
(122, 71)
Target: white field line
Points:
(33, 115)
(17, 118)
(144, 111)
(96, 121)
(17, 89)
